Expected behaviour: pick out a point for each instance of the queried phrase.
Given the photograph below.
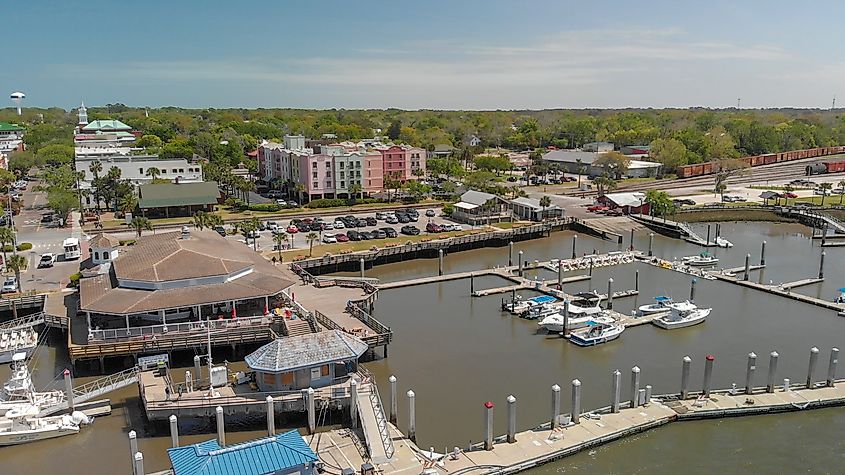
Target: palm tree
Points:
(250, 228)
(96, 167)
(300, 189)
(355, 189)
(7, 236)
(604, 183)
(825, 187)
(248, 186)
(153, 173)
(127, 203)
(311, 237)
(280, 238)
(17, 263)
(140, 223)
(206, 220)
(545, 202)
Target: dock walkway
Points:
(773, 289)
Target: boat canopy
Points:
(543, 299)
(663, 298)
(842, 289)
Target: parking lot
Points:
(297, 239)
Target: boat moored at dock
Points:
(660, 305)
(681, 315)
(596, 333)
(702, 260)
(22, 426)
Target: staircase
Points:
(296, 327)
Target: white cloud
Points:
(575, 68)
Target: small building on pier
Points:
(477, 207)
(314, 361)
(281, 454)
(530, 209)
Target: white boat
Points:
(19, 392)
(841, 297)
(702, 260)
(519, 307)
(596, 334)
(22, 426)
(554, 323)
(660, 305)
(17, 341)
(682, 314)
(722, 242)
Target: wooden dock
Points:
(501, 272)
(799, 283)
(783, 293)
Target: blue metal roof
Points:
(542, 299)
(255, 457)
(662, 298)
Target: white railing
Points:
(133, 333)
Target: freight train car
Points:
(824, 168)
(700, 169)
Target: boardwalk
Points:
(771, 289)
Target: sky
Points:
(429, 54)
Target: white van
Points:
(71, 248)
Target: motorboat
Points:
(17, 341)
(554, 323)
(518, 306)
(682, 314)
(586, 299)
(660, 305)
(22, 426)
(596, 333)
(702, 260)
(19, 392)
(722, 242)
(841, 297)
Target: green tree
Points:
(280, 238)
(579, 163)
(604, 184)
(56, 154)
(139, 224)
(127, 203)
(788, 189)
(671, 153)
(203, 220)
(149, 141)
(391, 182)
(614, 163)
(825, 187)
(62, 202)
(17, 264)
(726, 168)
(356, 189)
(660, 202)
(545, 202)
(153, 172)
(394, 130)
(311, 237)
(720, 145)
(250, 228)
(418, 190)
(7, 237)
(96, 167)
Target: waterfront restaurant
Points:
(314, 360)
(173, 282)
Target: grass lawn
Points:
(357, 246)
(828, 200)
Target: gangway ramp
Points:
(20, 323)
(95, 389)
(374, 423)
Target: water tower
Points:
(17, 98)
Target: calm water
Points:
(457, 352)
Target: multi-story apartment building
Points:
(334, 170)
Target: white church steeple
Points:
(83, 115)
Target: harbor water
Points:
(457, 352)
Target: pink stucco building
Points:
(400, 161)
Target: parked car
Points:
(789, 194)
(403, 218)
(597, 208)
(366, 235)
(353, 235)
(380, 216)
(379, 234)
(292, 229)
(339, 225)
(821, 191)
(10, 284)
(47, 260)
(220, 230)
(430, 213)
(391, 220)
(329, 238)
(389, 232)
(371, 221)
(341, 237)
(613, 212)
(410, 230)
(433, 228)
(684, 201)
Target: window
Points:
(141, 171)
(313, 174)
(313, 164)
(324, 370)
(96, 256)
(358, 173)
(328, 174)
(342, 174)
(343, 184)
(269, 378)
(181, 170)
(287, 379)
(341, 165)
(174, 171)
(315, 185)
(328, 165)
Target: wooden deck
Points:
(782, 293)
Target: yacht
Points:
(702, 260)
(19, 392)
(596, 333)
(519, 306)
(17, 341)
(554, 323)
(682, 314)
(660, 305)
(841, 297)
(21, 426)
(722, 242)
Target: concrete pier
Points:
(814, 359)
(393, 399)
(576, 401)
(555, 420)
(749, 372)
(831, 367)
(773, 368)
(615, 391)
(635, 386)
(511, 419)
(271, 417)
(685, 370)
(412, 416)
(174, 431)
(488, 425)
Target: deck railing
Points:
(378, 410)
(134, 333)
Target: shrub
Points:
(326, 203)
(24, 246)
(8, 248)
(126, 242)
(448, 209)
(266, 207)
(74, 279)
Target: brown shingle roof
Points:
(167, 257)
(103, 240)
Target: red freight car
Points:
(835, 167)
